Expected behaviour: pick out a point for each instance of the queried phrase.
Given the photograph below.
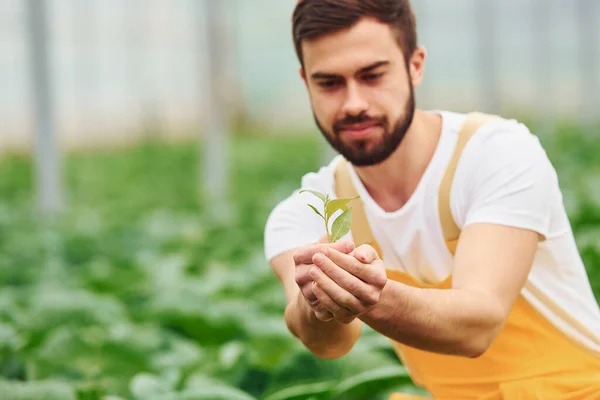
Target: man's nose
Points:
(354, 103)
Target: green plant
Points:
(109, 302)
(341, 225)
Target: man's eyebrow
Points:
(373, 66)
(324, 75)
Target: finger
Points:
(323, 239)
(369, 273)
(353, 285)
(302, 275)
(324, 316)
(340, 314)
(340, 296)
(321, 312)
(366, 254)
(310, 297)
(303, 280)
(305, 254)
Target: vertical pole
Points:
(50, 197)
(485, 24)
(86, 60)
(541, 12)
(215, 169)
(589, 35)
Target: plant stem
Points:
(326, 217)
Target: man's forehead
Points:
(349, 51)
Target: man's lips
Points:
(359, 131)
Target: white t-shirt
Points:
(504, 176)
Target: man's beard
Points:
(362, 153)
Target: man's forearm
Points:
(324, 339)
(453, 321)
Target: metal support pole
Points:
(215, 169)
(588, 15)
(541, 12)
(49, 186)
(486, 35)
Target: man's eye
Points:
(328, 84)
(372, 77)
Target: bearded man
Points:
(460, 250)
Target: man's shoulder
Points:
(497, 124)
(504, 175)
(496, 137)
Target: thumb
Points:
(323, 239)
(366, 254)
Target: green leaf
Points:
(319, 195)
(319, 390)
(338, 204)
(341, 225)
(315, 210)
(200, 387)
(144, 386)
(363, 385)
(41, 390)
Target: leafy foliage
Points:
(141, 292)
(342, 223)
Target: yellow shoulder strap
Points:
(360, 228)
(361, 231)
(451, 231)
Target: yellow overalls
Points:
(529, 359)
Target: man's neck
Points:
(392, 183)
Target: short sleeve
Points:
(506, 178)
(292, 224)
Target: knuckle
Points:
(297, 258)
(355, 268)
(300, 277)
(346, 300)
(372, 298)
(353, 305)
(351, 287)
(381, 281)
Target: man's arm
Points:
(491, 266)
(325, 339)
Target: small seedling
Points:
(341, 225)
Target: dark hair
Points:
(315, 18)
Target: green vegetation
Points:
(342, 223)
(142, 293)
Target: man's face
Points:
(361, 91)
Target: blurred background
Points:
(143, 144)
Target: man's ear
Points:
(417, 65)
(302, 75)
